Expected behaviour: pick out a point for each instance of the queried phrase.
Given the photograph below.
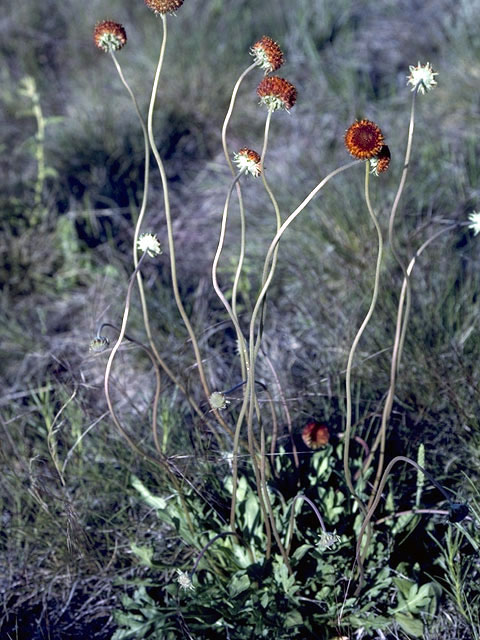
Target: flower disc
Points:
(364, 139)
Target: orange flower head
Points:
(315, 434)
(364, 139)
(277, 93)
(248, 161)
(381, 161)
(267, 54)
(164, 6)
(109, 36)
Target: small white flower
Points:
(98, 344)
(148, 243)
(249, 161)
(184, 581)
(474, 218)
(327, 540)
(218, 401)
(422, 76)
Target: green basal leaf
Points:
(238, 584)
(153, 501)
(410, 625)
(293, 619)
(371, 622)
(302, 550)
(145, 554)
(417, 600)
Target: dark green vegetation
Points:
(78, 540)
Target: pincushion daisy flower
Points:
(249, 161)
(315, 434)
(267, 54)
(422, 76)
(109, 36)
(364, 139)
(148, 243)
(277, 93)
(164, 6)
(381, 161)
(184, 580)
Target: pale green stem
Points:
(253, 400)
(300, 496)
(388, 402)
(271, 514)
(218, 291)
(171, 245)
(241, 257)
(266, 285)
(249, 394)
(393, 212)
(162, 462)
(146, 318)
(359, 554)
(278, 222)
(348, 390)
(39, 152)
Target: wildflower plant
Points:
(261, 562)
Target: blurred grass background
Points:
(62, 545)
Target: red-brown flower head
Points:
(277, 93)
(381, 161)
(315, 434)
(164, 6)
(109, 36)
(364, 139)
(267, 54)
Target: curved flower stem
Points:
(288, 417)
(111, 357)
(168, 219)
(143, 206)
(157, 385)
(278, 236)
(380, 439)
(359, 554)
(301, 496)
(218, 291)
(348, 391)
(249, 397)
(162, 462)
(393, 212)
(278, 223)
(273, 245)
(241, 257)
(268, 504)
(229, 114)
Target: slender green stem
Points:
(359, 554)
(348, 389)
(133, 445)
(161, 461)
(393, 212)
(278, 225)
(241, 257)
(249, 398)
(301, 496)
(171, 245)
(218, 291)
(143, 206)
(256, 309)
(403, 292)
